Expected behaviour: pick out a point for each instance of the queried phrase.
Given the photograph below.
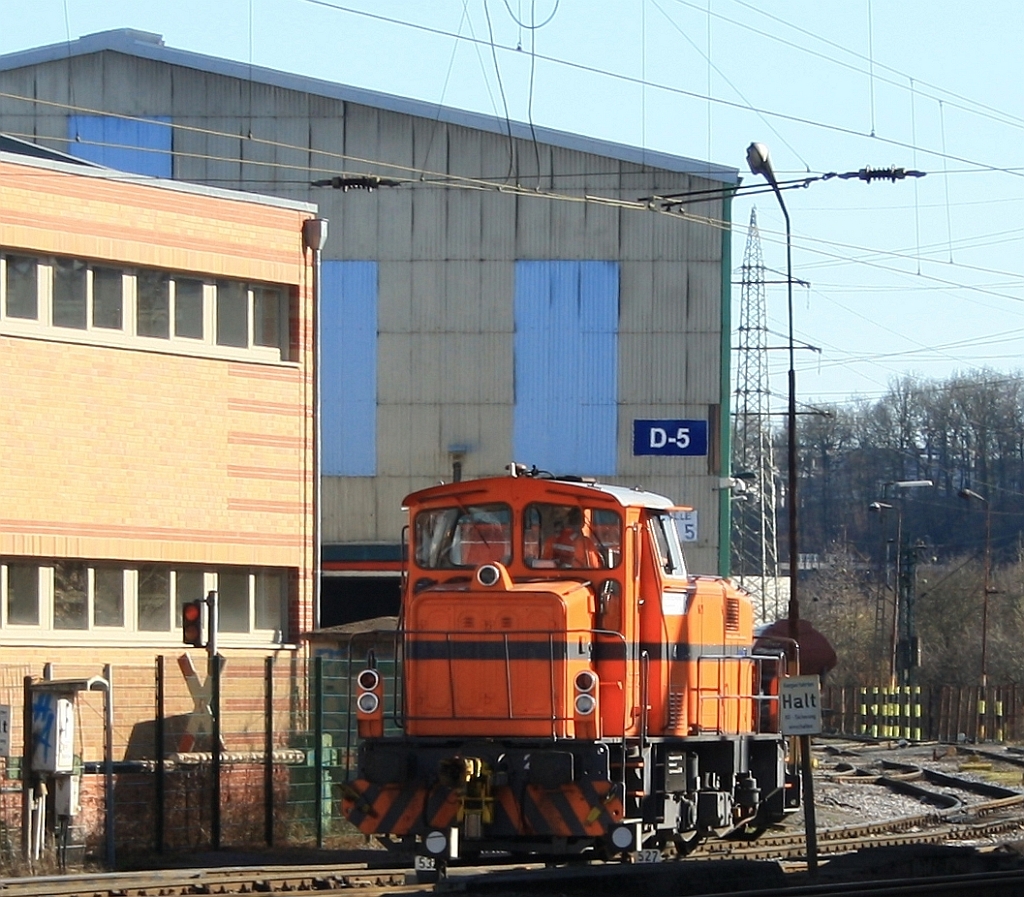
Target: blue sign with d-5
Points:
(670, 437)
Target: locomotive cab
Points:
(568, 688)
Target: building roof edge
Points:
(147, 45)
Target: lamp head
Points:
(968, 494)
(760, 162)
(879, 506)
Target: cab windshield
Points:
(465, 536)
(666, 540)
(571, 537)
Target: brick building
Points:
(156, 427)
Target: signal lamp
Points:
(585, 704)
(368, 679)
(586, 680)
(367, 702)
(192, 630)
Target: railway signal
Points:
(193, 632)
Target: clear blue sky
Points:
(919, 276)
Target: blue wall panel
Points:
(348, 369)
(141, 147)
(566, 373)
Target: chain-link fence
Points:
(160, 771)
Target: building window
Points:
(108, 596)
(154, 598)
(232, 314)
(153, 304)
(98, 597)
(270, 598)
(22, 594)
(107, 298)
(233, 600)
(108, 305)
(270, 316)
(188, 308)
(69, 294)
(189, 585)
(21, 288)
(70, 595)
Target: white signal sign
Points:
(800, 705)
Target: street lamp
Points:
(880, 507)
(760, 163)
(971, 495)
(904, 582)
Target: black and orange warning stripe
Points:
(577, 810)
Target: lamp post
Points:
(880, 507)
(971, 495)
(760, 163)
(906, 659)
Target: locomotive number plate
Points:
(423, 864)
(652, 855)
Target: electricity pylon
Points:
(755, 551)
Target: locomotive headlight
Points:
(622, 837)
(585, 704)
(367, 702)
(436, 843)
(586, 681)
(368, 679)
(488, 575)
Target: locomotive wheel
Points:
(685, 846)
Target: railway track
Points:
(952, 819)
(958, 810)
(321, 879)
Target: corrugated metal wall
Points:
(348, 369)
(448, 257)
(566, 367)
(141, 147)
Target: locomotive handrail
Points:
(758, 698)
(368, 634)
(645, 680)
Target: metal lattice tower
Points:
(755, 552)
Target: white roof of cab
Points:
(636, 497)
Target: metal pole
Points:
(318, 748)
(984, 603)
(314, 237)
(763, 166)
(26, 768)
(108, 765)
(213, 673)
(160, 781)
(268, 751)
(897, 604)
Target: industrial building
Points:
(491, 292)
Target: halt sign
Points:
(800, 705)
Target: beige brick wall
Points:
(120, 453)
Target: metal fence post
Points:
(214, 675)
(268, 751)
(318, 748)
(160, 780)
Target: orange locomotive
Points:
(567, 687)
